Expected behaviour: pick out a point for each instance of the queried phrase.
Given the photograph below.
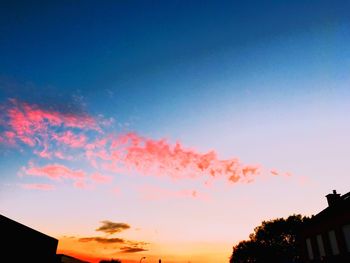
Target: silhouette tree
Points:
(274, 241)
(111, 261)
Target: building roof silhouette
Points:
(24, 244)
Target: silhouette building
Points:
(23, 244)
(326, 237)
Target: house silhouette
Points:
(326, 237)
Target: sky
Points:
(170, 129)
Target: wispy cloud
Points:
(132, 249)
(71, 139)
(102, 240)
(55, 172)
(28, 121)
(56, 135)
(58, 173)
(46, 131)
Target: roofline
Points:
(27, 227)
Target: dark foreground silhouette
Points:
(273, 241)
(25, 243)
(323, 238)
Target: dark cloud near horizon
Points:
(102, 240)
(112, 227)
(132, 249)
(129, 246)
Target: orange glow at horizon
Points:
(169, 253)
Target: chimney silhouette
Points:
(333, 198)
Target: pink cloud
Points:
(99, 178)
(10, 137)
(44, 187)
(58, 172)
(127, 152)
(97, 150)
(58, 135)
(97, 144)
(70, 139)
(61, 155)
(44, 152)
(35, 126)
(39, 117)
(81, 184)
(55, 172)
(158, 157)
(95, 156)
(21, 126)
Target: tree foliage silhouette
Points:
(274, 241)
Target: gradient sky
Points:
(189, 122)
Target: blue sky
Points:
(168, 60)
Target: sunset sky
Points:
(170, 129)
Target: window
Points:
(346, 231)
(320, 246)
(309, 249)
(333, 242)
